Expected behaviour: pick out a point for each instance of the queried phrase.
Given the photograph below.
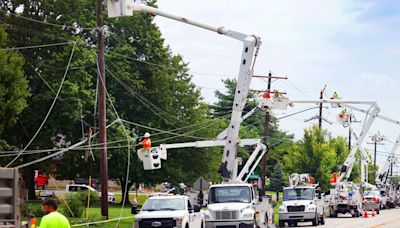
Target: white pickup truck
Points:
(71, 188)
(237, 205)
(169, 211)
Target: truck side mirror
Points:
(197, 208)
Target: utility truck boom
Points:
(236, 189)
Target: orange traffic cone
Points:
(365, 214)
(373, 213)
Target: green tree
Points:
(318, 153)
(13, 88)
(146, 82)
(277, 183)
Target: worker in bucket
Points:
(146, 143)
(335, 96)
(277, 93)
(343, 114)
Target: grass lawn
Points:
(114, 211)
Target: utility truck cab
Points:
(302, 202)
(236, 205)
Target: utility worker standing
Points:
(146, 142)
(53, 218)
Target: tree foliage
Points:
(13, 88)
(277, 182)
(318, 153)
(146, 82)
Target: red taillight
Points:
(363, 199)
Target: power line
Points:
(48, 23)
(50, 109)
(36, 46)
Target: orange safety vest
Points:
(146, 143)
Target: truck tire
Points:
(322, 220)
(281, 223)
(315, 221)
(378, 212)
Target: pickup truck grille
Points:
(295, 208)
(226, 215)
(154, 222)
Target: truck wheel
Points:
(202, 225)
(378, 212)
(281, 223)
(322, 221)
(315, 221)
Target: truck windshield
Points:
(298, 194)
(241, 194)
(164, 204)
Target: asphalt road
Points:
(387, 218)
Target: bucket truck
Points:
(233, 203)
(387, 189)
(346, 196)
(302, 201)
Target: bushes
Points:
(36, 209)
(75, 204)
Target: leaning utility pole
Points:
(102, 109)
(321, 96)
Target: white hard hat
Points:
(146, 135)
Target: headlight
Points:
(179, 221)
(247, 215)
(311, 208)
(282, 209)
(136, 223)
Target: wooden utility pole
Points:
(102, 109)
(321, 96)
(266, 125)
(267, 119)
(375, 143)
(350, 134)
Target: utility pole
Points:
(350, 133)
(321, 96)
(102, 109)
(375, 142)
(376, 139)
(266, 125)
(267, 119)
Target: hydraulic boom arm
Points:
(251, 44)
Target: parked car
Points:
(371, 200)
(82, 187)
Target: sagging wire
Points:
(49, 111)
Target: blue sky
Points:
(352, 46)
